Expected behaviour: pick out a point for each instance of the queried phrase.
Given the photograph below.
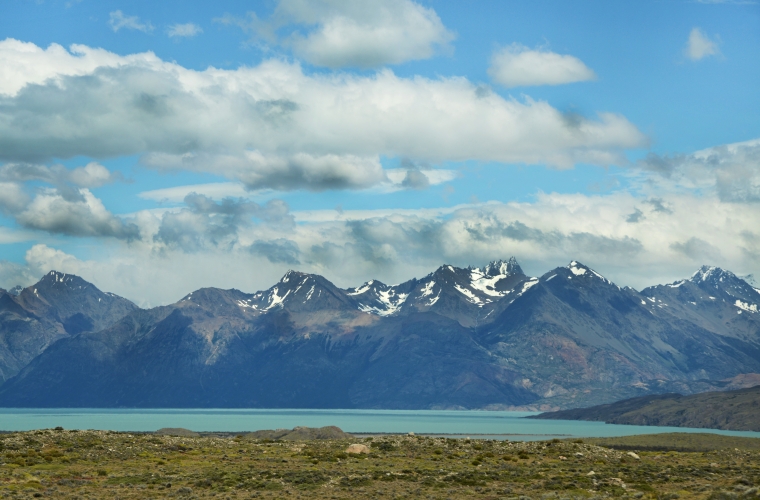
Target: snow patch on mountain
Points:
(471, 297)
(746, 306)
(482, 282)
(427, 289)
(528, 285)
(364, 288)
(275, 299)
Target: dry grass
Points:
(98, 464)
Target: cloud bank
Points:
(275, 126)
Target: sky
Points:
(155, 148)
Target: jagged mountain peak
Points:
(299, 292)
(504, 268)
(711, 274)
(56, 279)
(730, 287)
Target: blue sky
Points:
(154, 149)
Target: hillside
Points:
(730, 410)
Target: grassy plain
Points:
(102, 464)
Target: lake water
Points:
(484, 424)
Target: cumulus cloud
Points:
(91, 175)
(340, 33)
(276, 251)
(236, 243)
(68, 208)
(83, 215)
(732, 171)
(187, 30)
(12, 197)
(700, 46)
(297, 171)
(697, 249)
(274, 126)
(517, 65)
(117, 20)
(214, 190)
(206, 223)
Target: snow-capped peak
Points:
(711, 273)
(502, 268)
(579, 269)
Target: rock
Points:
(633, 455)
(579, 454)
(616, 481)
(592, 473)
(357, 448)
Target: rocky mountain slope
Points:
(58, 306)
(488, 337)
(731, 410)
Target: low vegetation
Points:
(101, 464)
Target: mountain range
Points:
(489, 337)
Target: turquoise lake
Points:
(484, 424)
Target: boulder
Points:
(357, 448)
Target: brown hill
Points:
(730, 410)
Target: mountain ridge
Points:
(475, 337)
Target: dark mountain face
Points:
(714, 299)
(78, 305)
(577, 336)
(456, 338)
(58, 306)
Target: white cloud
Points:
(186, 30)
(730, 172)
(12, 197)
(83, 215)
(91, 175)
(517, 65)
(353, 246)
(215, 191)
(117, 20)
(272, 126)
(25, 63)
(339, 33)
(686, 215)
(220, 190)
(700, 46)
